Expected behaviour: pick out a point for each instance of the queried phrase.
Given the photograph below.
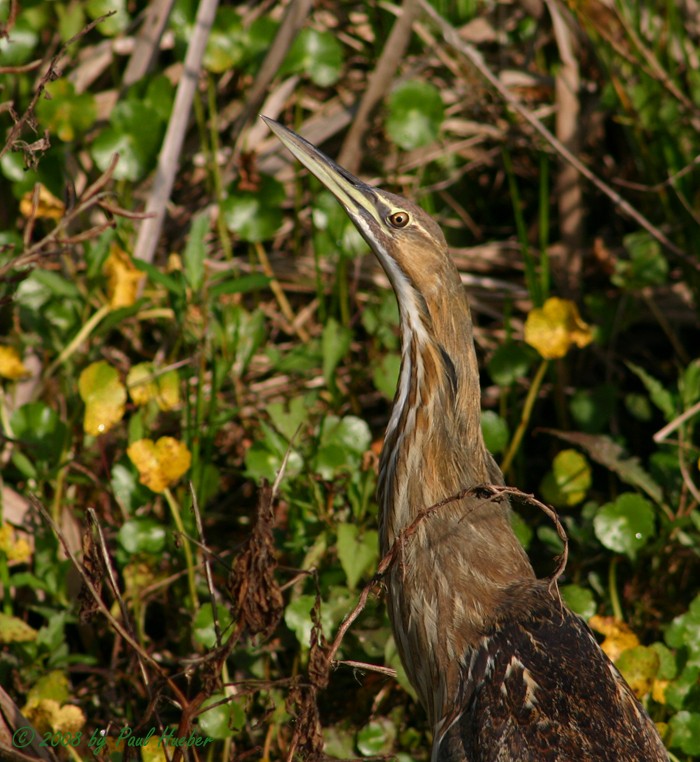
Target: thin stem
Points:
(177, 518)
(612, 586)
(78, 339)
(525, 418)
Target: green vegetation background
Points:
(262, 337)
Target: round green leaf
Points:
(357, 554)
(66, 113)
(495, 431)
(349, 432)
(116, 23)
(646, 266)
(639, 666)
(142, 535)
(568, 481)
(579, 599)
(297, 616)
(510, 362)
(42, 433)
(219, 721)
(626, 525)
(685, 732)
(316, 54)
(377, 737)
(203, 630)
(415, 114)
(135, 133)
(255, 215)
(17, 47)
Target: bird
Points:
(504, 670)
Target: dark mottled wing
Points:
(539, 689)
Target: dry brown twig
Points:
(55, 241)
(471, 54)
(52, 73)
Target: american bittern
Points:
(502, 668)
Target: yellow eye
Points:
(398, 219)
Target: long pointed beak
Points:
(358, 198)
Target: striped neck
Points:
(433, 446)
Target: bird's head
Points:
(410, 245)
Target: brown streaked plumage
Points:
(503, 670)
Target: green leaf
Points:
(287, 418)
(385, 374)
(316, 54)
(523, 531)
(357, 554)
(127, 490)
(15, 630)
(135, 133)
(172, 283)
(568, 481)
(53, 685)
(685, 732)
(510, 362)
(335, 343)
(660, 396)
(342, 443)
(626, 525)
(225, 43)
(333, 231)
(17, 47)
(242, 285)
(142, 535)
(297, 616)
(684, 632)
(593, 408)
(255, 215)
(203, 630)
(219, 721)
(495, 431)
(690, 384)
(196, 251)
(646, 266)
(377, 737)
(668, 669)
(415, 115)
(71, 19)
(608, 453)
(579, 599)
(66, 113)
(264, 458)
(639, 666)
(41, 432)
(114, 24)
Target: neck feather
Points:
(433, 446)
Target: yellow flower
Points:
(15, 549)
(49, 207)
(104, 396)
(11, 365)
(618, 635)
(552, 329)
(145, 384)
(48, 714)
(123, 278)
(160, 464)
